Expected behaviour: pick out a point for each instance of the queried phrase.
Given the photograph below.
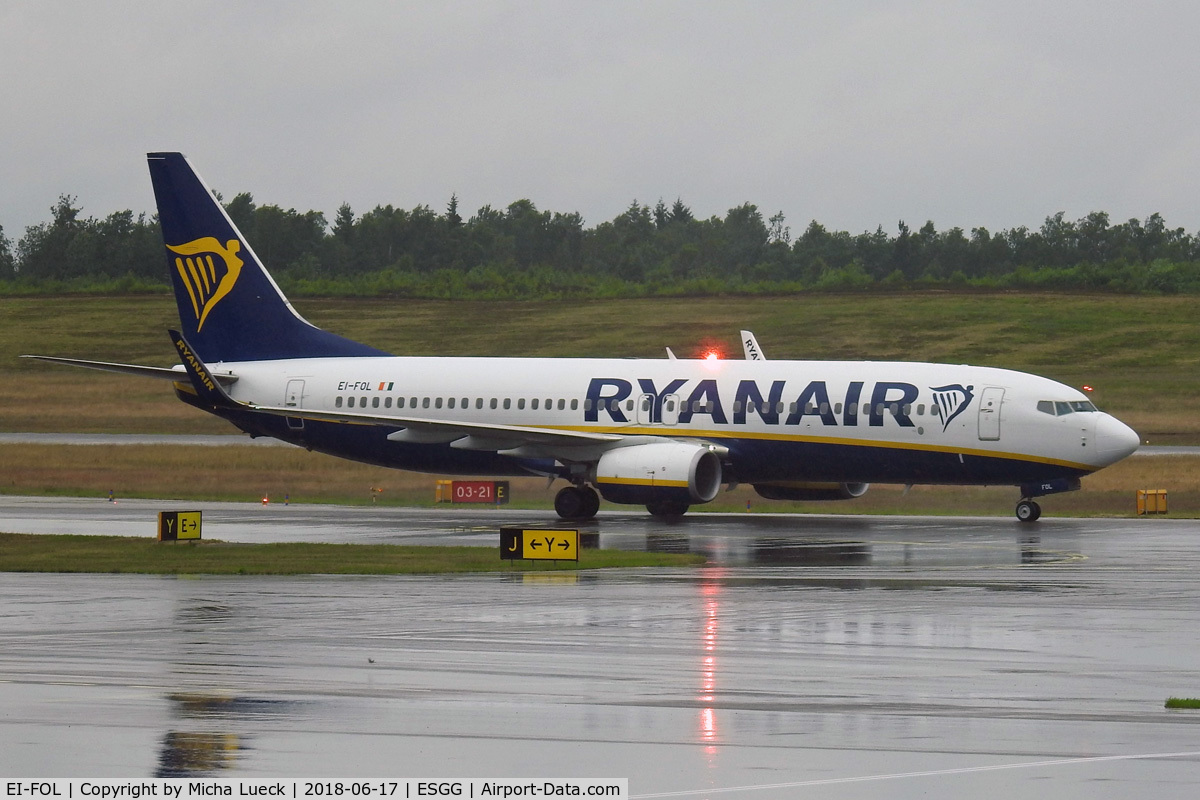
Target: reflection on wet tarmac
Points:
(935, 657)
(195, 755)
(804, 553)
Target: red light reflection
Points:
(707, 723)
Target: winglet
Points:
(750, 347)
(206, 386)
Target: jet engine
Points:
(659, 472)
(800, 490)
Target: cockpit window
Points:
(1058, 408)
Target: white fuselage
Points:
(867, 421)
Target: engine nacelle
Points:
(658, 472)
(801, 490)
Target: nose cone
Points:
(1114, 439)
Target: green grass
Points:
(121, 554)
(1183, 702)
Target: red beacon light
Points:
(1087, 388)
(712, 355)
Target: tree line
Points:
(521, 251)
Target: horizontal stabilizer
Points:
(176, 373)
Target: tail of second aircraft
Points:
(229, 306)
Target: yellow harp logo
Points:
(206, 281)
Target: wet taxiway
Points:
(817, 657)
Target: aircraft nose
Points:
(1114, 439)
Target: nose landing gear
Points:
(1028, 511)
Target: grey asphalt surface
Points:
(829, 657)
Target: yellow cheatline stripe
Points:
(640, 481)
(842, 442)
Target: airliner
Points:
(665, 433)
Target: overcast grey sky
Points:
(853, 114)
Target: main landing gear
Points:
(576, 502)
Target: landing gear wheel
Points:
(1028, 511)
(569, 503)
(591, 501)
(576, 503)
(667, 508)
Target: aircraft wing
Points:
(176, 373)
(466, 435)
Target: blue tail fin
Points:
(229, 307)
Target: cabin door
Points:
(294, 398)
(989, 413)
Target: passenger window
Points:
(750, 407)
(412, 402)
(737, 406)
(837, 408)
(424, 402)
(437, 402)
(387, 402)
(907, 409)
(852, 410)
(575, 404)
(337, 402)
(493, 404)
(374, 402)
(920, 409)
(479, 402)
(362, 402)
(450, 403)
(466, 403)
(562, 404)
(521, 404)
(549, 405)
(399, 402)
(587, 404)
(507, 403)
(534, 404)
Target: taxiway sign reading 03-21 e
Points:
(664, 433)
